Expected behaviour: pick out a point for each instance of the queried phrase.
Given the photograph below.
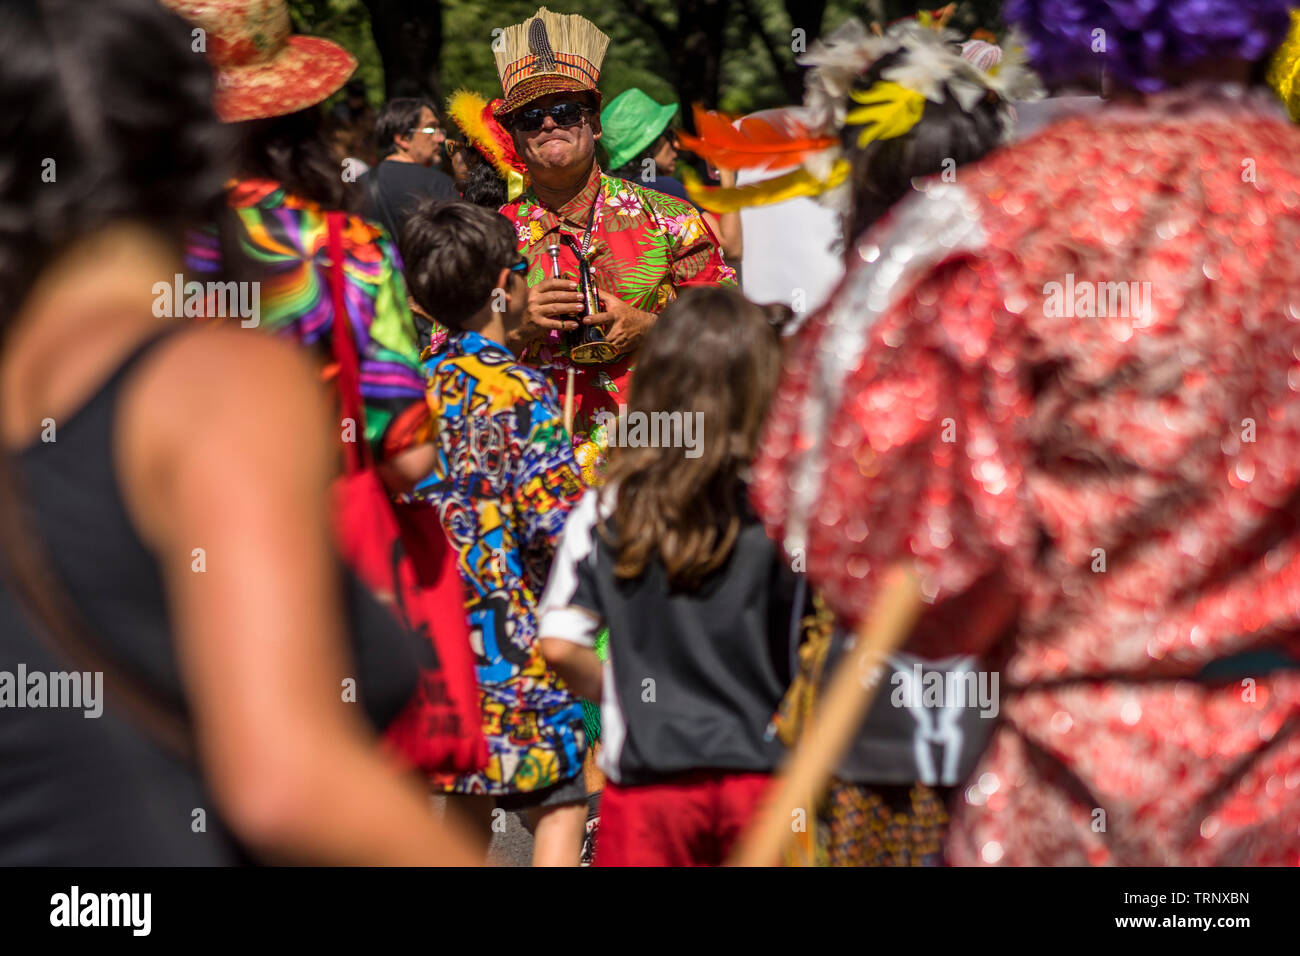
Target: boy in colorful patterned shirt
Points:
(504, 480)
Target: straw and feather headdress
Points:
(548, 53)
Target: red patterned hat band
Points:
(263, 68)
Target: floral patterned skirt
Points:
(869, 825)
(858, 824)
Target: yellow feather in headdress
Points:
(467, 109)
(887, 111)
(1284, 72)
(798, 182)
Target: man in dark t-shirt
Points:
(410, 140)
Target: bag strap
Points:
(357, 452)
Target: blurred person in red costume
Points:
(1064, 389)
(215, 683)
(884, 109)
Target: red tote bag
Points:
(401, 553)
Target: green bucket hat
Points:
(630, 123)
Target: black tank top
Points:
(78, 790)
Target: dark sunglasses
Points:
(565, 114)
(521, 266)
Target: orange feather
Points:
(770, 139)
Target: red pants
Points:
(689, 820)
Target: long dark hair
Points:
(106, 116)
(484, 186)
(294, 150)
(713, 352)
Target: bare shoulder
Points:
(210, 376)
(214, 413)
(206, 356)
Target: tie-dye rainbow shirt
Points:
(285, 238)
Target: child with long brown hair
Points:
(699, 605)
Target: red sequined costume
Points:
(1116, 473)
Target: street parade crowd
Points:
(372, 475)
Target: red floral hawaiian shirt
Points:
(644, 247)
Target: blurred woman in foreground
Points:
(155, 524)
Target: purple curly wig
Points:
(1144, 39)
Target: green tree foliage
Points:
(634, 59)
(666, 47)
(347, 23)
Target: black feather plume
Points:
(539, 44)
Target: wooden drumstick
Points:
(834, 723)
(553, 250)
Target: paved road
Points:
(512, 848)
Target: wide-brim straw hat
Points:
(262, 67)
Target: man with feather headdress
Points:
(641, 246)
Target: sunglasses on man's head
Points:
(565, 114)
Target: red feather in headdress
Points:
(770, 139)
(485, 133)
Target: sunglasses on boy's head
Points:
(521, 266)
(565, 114)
